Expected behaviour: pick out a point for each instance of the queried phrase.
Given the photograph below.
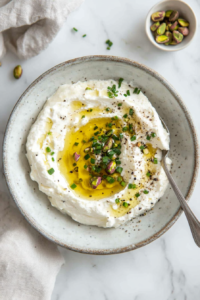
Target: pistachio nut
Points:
(168, 13)
(173, 43)
(162, 39)
(86, 150)
(174, 16)
(158, 16)
(183, 30)
(76, 156)
(17, 72)
(108, 145)
(95, 181)
(155, 26)
(169, 35)
(183, 23)
(111, 167)
(174, 26)
(177, 36)
(161, 29)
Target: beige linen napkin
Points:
(29, 263)
(28, 26)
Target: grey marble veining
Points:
(169, 268)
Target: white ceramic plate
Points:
(35, 206)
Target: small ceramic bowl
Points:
(185, 11)
(35, 206)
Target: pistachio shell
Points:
(95, 181)
(158, 16)
(108, 145)
(183, 23)
(173, 26)
(177, 36)
(161, 29)
(155, 26)
(162, 39)
(174, 16)
(168, 13)
(17, 72)
(169, 35)
(111, 167)
(183, 30)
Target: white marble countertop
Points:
(168, 268)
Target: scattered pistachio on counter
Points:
(17, 72)
(168, 28)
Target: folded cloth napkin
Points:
(29, 263)
(28, 26)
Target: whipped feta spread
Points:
(66, 150)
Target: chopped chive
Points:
(85, 166)
(74, 164)
(52, 159)
(128, 92)
(131, 186)
(120, 82)
(96, 133)
(121, 136)
(119, 104)
(115, 137)
(96, 127)
(75, 29)
(125, 95)
(123, 183)
(148, 137)
(88, 88)
(82, 117)
(93, 168)
(145, 192)
(124, 129)
(90, 110)
(51, 171)
(84, 141)
(84, 35)
(133, 138)
(125, 204)
(76, 144)
(48, 149)
(137, 195)
(49, 133)
(118, 162)
(105, 159)
(142, 147)
(110, 179)
(119, 178)
(148, 174)
(52, 153)
(110, 125)
(109, 43)
(153, 134)
(73, 186)
(138, 92)
(119, 169)
(135, 91)
(117, 200)
(92, 160)
(87, 156)
(125, 116)
(115, 118)
(107, 109)
(130, 111)
(155, 161)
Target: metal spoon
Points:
(192, 220)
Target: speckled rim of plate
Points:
(187, 115)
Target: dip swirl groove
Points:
(95, 151)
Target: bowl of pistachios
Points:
(171, 25)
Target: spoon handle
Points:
(192, 220)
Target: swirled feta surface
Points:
(83, 116)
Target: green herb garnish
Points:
(52, 159)
(73, 186)
(128, 93)
(125, 204)
(119, 169)
(155, 161)
(148, 174)
(84, 35)
(51, 171)
(48, 149)
(153, 134)
(124, 129)
(123, 183)
(145, 192)
(76, 144)
(75, 29)
(132, 186)
(130, 111)
(117, 200)
(82, 117)
(92, 160)
(87, 156)
(120, 82)
(133, 138)
(137, 195)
